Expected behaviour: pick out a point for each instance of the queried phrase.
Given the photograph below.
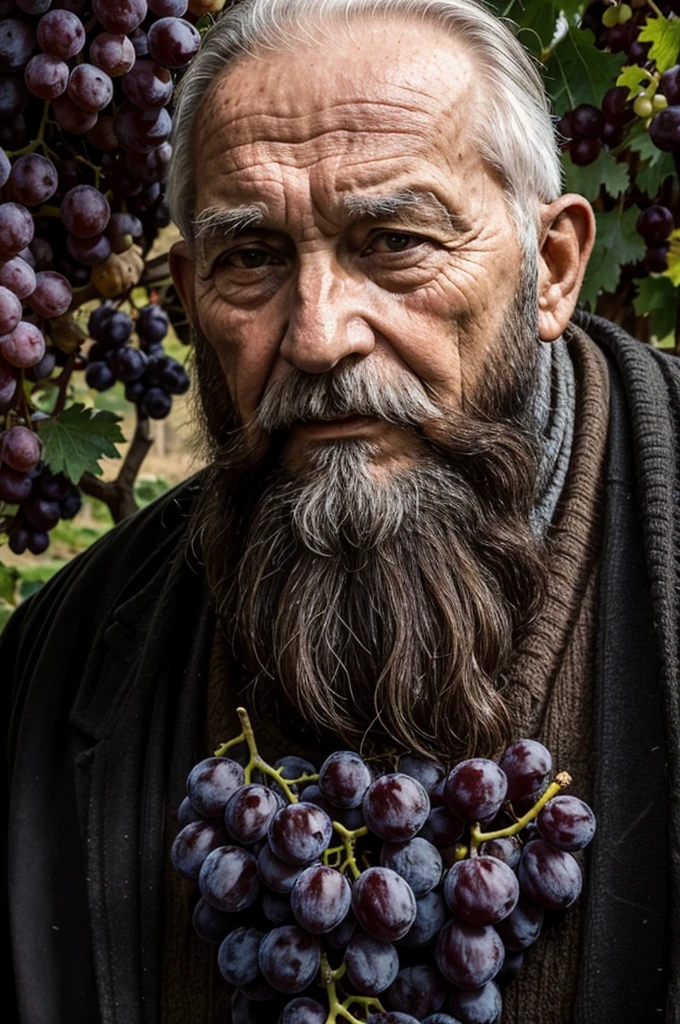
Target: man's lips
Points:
(337, 426)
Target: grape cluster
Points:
(151, 377)
(584, 129)
(664, 129)
(401, 896)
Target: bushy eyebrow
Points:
(219, 224)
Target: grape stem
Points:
(477, 837)
(40, 137)
(656, 10)
(257, 763)
(336, 1007)
(349, 839)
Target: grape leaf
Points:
(664, 34)
(588, 180)
(577, 72)
(77, 439)
(673, 271)
(656, 298)
(617, 242)
(633, 78)
(651, 176)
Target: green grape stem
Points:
(657, 10)
(477, 837)
(338, 1009)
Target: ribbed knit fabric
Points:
(553, 412)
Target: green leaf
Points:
(656, 166)
(656, 298)
(673, 272)
(588, 180)
(635, 78)
(76, 440)
(617, 242)
(578, 72)
(664, 34)
(8, 582)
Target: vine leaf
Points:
(578, 72)
(75, 441)
(617, 242)
(673, 271)
(588, 181)
(664, 35)
(656, 299)
(634, 78)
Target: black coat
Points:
(105, 672)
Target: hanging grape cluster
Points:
(358, 893)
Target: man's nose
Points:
(327, 318)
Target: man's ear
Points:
(182, 270)
(566, 241)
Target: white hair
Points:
(512, 125)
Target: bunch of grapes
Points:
(586, 127)
(356, 894)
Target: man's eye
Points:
(250, 259)
(394, 241)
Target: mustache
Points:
(358, 388)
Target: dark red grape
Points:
(508, 849)
(275, 873)
(396, 807)
(14, 487)
(527, 765)
(148, 85)
(300, 833)
(150, 167)
(587, 121)
(669, 85)
(90, 88)
(655, 224)
(90, 251)
(71, 117)
(428, 773)
(121, 17)
(549, 877)
(480, 1006)
(431, 913)
(442, 828)
(210, 924)
(320, 899)
(193, 844)
(418, 862)
(228, 879)
(10, 310)
(419, 991)
(612, 134)
(46, 76)
(656, 259)
(468, 956)
(371, 965)
(17, 275)
(481, 890)
(168, 8)
(24, 347)
(344, 778)
(85, 211)
(523, 926)
(173, 42)
(664, 131)
(303, 1010)
(211, 783)
(567, 823)
(114, 54)
(42, 370)
(61, 33)
(34, 179)
(21, 449)
(250, 808)
(383, 904)
(17, 42)
(19, 535)
(476, 789)
(43, 515)
(52, 294)
(585, 151)
(16, 228)
(289, 958)
(237, 957)
(8, 384)
(338, 937)
(142, 130)
(616, 106)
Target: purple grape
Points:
(585, 151)
(418, 862)
(168, 8)
(587, 121)
(320, 899)
(17, 42)
(440, 1018)
(616, 106)
(656, 259)
(228, 878)
(476, 789)
(14, 487)
(612, 134)
(291, 767)
(237, 957)
(99, 376)
(431, 912)
(38, 542)
(300, 833)
(664, 130)
(52, 294)
(53, 487)
(148, 85)
(173, 42)
(567, 823)
(61, 34)
(468, 956)
(71, 505)
(669, 85)
(8, 384)
(211, 783)
(210, 924)
(419, 991)
(371, 965)
(43, 515)
(34, 179)
(24, 347)
(344, 778)
(90, 88)
(428, 773)
(338, 937)
(85, 211)
(186, 813)
(303, 1010)
(523, 926)
(250, 809)
(46, 76)
(480, 1006)
(114, 329)
(150, 167)
(276, 874)
(549, 877)
(113, 53)
(10, 310)
(193, 844)
(396, 807)
(17, 275)
(90, 251)
(19, 536)
(175, 381)
(21, 449)
(481, 890)
(16, 228)
(527, 765)
(289, 958)
(121, 17)
(508, 849)
(442, 828)
(142, 130)
(5, 168)
(276, 908)
(383, 904)
(72, 118)
(655, 224)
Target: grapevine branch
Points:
(119, 494)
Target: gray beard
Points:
(388, 611)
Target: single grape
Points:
(228, 878)
(52, 294)
(157, 403)
(289, 958)
(476, 789)
(175, 380)
(395, 807)
(122, 230)
(135, 392)
(344, 778)
(428, 773)
(16, 228)
(53, 487)
(669, 85)
(549, 877)
(90, 251)
(508, 849)
(418, 862)
(371, 965)
(587, 120)
(46, 76)
(656, 259)
(193, 844)
(522, 927)
(300, 833)
(383, 904)
(237, 957)
(71, 117)
(24, 347)
(275, 873)
(19, 535)
(38, 542)
(168, 8)
(527, 765)
(481, 890)
(8, 384)
(655, 224)
(42, 370)
(17, 275)
(152, 323)
(10, 310)
(148, 85)
(14, 487)
(150, 167)
(585, 151)
(43, 515)
(41, 252)
(567, 823)
(467, 955)
(17, 42)
(129, 364)
(173, 42)
(616, 106)
(303, 1010)
(250, 809)
(72, 504)
(186, 813)
(139, 42)
(114, 329)
(612, 134)
(276, 908)
(85, 211)
(142, 130)
(442, 828)
(320, 899)
(90, 88)
(211, 783)
(21, 449)
(210, 924)
(431, 912)
(121, 17)
(339, 937)
(114, 54)
(61, 34)
(419, 991)
(480, 1006)
(99, 376)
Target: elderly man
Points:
(439, 513)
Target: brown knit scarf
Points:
(551, 696)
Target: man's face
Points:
(423, 291)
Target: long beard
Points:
(387, 609)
